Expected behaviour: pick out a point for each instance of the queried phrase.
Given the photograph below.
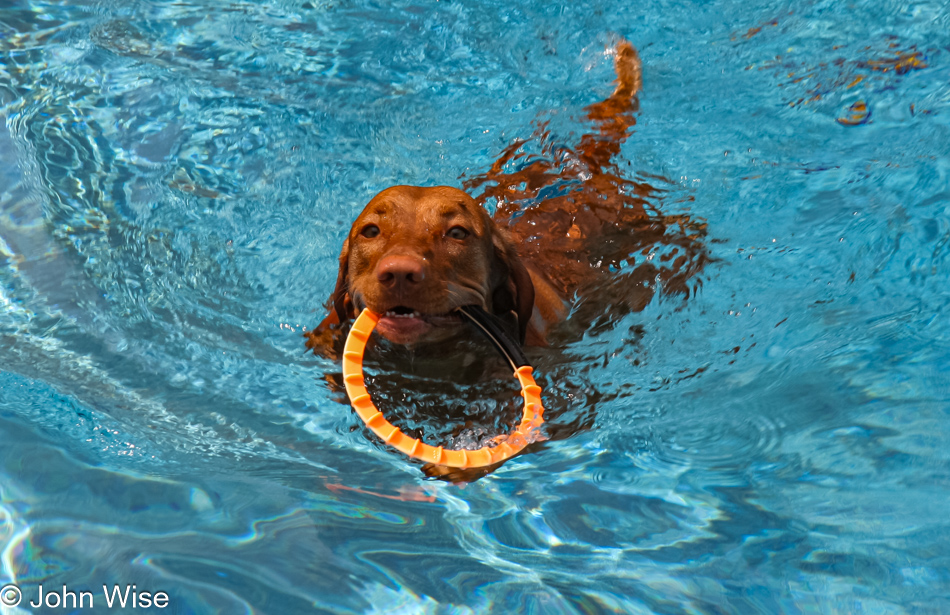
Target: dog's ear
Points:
(512, 288)
(342, 303)
(327, 339)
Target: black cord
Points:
(493, 330)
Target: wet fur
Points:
(534, 260)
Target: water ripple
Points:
(175, 183)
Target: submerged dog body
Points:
(416, 254)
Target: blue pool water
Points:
(175, 182)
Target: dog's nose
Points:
(400, 270)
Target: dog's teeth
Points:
(392, 314)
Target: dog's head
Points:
(416, 254)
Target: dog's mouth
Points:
(405, 325)
(401, 311)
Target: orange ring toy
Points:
(510, 446)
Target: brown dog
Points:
(416, 254)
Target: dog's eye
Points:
(457, 232)
(369, 231)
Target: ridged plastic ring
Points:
(506, 448)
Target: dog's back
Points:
(578, 221)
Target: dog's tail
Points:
(628, 68)
(615, 115)
(629, 80)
